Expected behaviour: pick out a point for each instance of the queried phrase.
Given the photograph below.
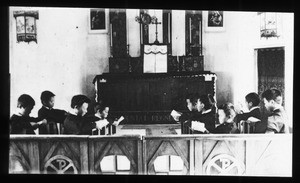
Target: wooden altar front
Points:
(149, 98)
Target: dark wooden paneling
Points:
(149, 98)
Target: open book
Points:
(198, 126)
(116, 123)
(101, 123)
(253, 120)
(176, 115)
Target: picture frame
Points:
(98, 20)
(214, 21)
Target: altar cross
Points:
(156, 23)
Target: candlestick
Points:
(127, 27)
(111, 35)
(190, 31)
(169, 28)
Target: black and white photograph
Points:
(100, 91)
(98, 20)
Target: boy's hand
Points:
(43, 122)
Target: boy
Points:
(205, 115)
(101, 112)
(184, 118)
(277, 120)
(21, 122)
(108, 126)
(75, 122)
(252, 102)
(53, 116)
(226, 115)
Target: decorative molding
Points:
(60, 164)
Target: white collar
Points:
(17, 112)
(98, 115)
(256, 107)
(47, 107)
(207, 111)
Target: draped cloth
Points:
(155, 58)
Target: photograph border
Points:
(213, 29)
(100, 31)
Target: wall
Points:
(64, 60)
(231, 54)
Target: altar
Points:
(149, 98)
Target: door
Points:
(270, 63)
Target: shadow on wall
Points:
(89, 90)
(224, 86)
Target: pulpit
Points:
(149, 98)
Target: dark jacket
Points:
(226, 128)
(21, 124)
(79, 125)
(277, 122)
(52, 116)
(207, 118)
(259, 127)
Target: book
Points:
(253, 120)
(176, 115)
(198, 126)
(101, 123)
(116, 123)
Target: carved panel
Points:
(66, 153)
(101, 149)
(223, 157)
(156, 148)
(60, 164)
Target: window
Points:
(168, 165)
(115, 164)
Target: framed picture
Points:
(214, 21)
(98, 20)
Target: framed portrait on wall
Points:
(214, 21)
(98, 20)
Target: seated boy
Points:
(21, 122)
(277, 120)
(108, 126)
(53, 116)
(101, 112)
(256, 125)
(204, 120)
(186, 117)
(226, 115)
(76, 122)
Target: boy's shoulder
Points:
(15, 117)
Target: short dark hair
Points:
(46, 95)
(271, 94)
(254, 98)
(205, 99)
(25, 100)
(99, 106)
(227, 107)
(78, 100)
(193, 97)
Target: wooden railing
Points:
(238, 155)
